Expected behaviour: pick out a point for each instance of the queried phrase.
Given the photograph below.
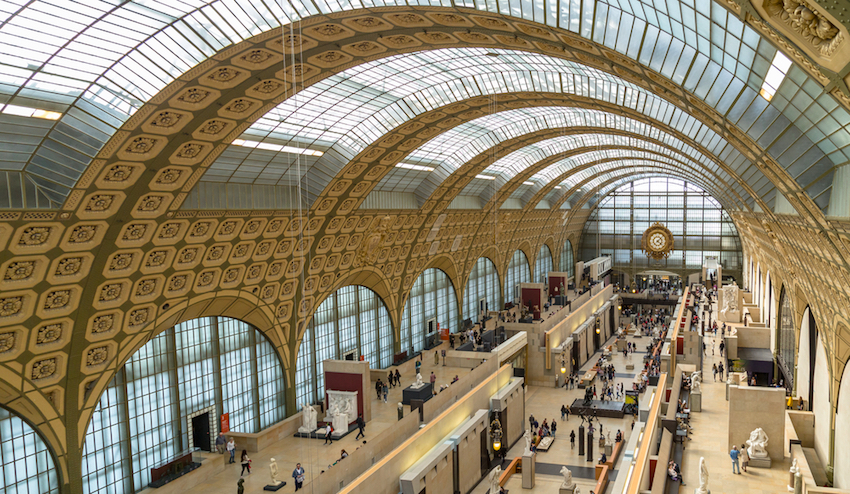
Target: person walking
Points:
(397, 377)
(362, 426)
(433, 380)
(572, 439)
(390, 379)
(563, 412)
(221, 443)
(554, 427)
(386, 390)
(298, 476)
(745, 457)
(436, 358)
(328, 430)
(246, 463)
(231, 448)
(714, 369)
(734, 455)
(378, 388)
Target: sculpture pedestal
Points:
(696, 402)
(528, 468)
(424, 393)
(609, 450)
(760, 462)
(567, 490)
(274, 488)
(306, 430)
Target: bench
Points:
(673, 485)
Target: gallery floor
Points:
(708, 440)
(313, 454)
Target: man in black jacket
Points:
(360, 425)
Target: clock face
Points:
(657, 241)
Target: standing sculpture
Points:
(527, 436)
(703, 478)
(493, 480)
(309, 419)
(568, 478)
(418, 383)
(240, 488)
(696, 382)
(757, 443)
(273, 471)
(793, 471)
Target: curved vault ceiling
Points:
(373, 98)
(98, 62)
(448, 151)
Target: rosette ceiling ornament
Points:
(657, 242)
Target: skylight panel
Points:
(775, 75)
(23, 111)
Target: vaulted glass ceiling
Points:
(96, 62)
(448, 151)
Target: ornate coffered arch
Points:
(121, 258)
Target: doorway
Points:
(485, 453)
(201, 431)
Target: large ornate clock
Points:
(657, 242)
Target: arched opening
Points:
(482, 292)
(568, 264)
(821, 402)
(517, 273)
(351, 323)
(806, 357)
(26, 461)
(432, 302)
(542, 265)
(841, 454)
(700, 225)
(786, 351)
(169, 397)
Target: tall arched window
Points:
(568, 264)
(542, 265)
(353, 320)
(431, 297)
(517, 273)
(482, 285)
(210, 365)
(699, 224)
(786, 351)
(27, 465)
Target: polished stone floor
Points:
(710, 438)
(313, 455)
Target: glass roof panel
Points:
(450, 150)
(100, 60)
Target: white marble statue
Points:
(757, 443)
(418, 384)
(342, 406)
(729, 309)
(793, 471)
(527, 436)
(608, 440)
(703, 478)
(493, 480)
(696, 382)
(309, 418)
(274, 472)
(568, 478)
